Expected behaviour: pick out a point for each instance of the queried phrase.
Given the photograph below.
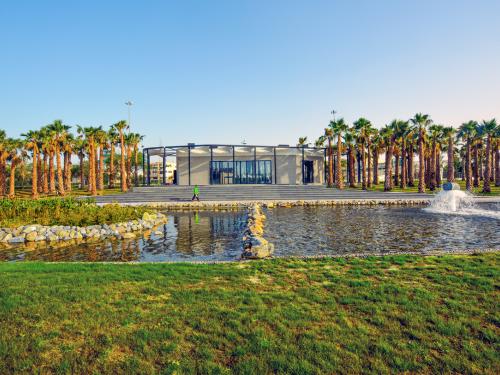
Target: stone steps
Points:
(249, 193)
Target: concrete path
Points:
(247, 193)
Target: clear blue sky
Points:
(264, 71)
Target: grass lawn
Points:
(495, 190)
(390, 314)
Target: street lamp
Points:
(129, 105)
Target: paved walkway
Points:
(245, 193)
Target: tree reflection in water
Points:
(206, 235)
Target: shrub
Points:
(63, 211)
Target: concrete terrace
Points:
(241, 193)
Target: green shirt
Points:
(196, 190)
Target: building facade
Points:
(239, 164)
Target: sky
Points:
(265, 72)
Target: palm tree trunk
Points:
(45, 173)
(497, 163)
(69, 175)
(450, 173)
(52, 173)
(12, 179)
(65, 168)
(421, 168)
(60, 180)
(468, 168)
(411, 176)
(487, 171)
(363, 165)
(427, 177)
(92, 168)
(111, 183)
(396, 170)
(136, 170)
(352, 172)
(3, 175)
(438, 167)
(433, 182)
(368, 166)
(100, 182)
(476, 166)
(481, 169)
(39, 177)
(340, 179)
(34, 175)
(375, 166)
(388, 167)
(123, 172)
(129, 167)
(402, 184)
(330, 163)
(82, 176)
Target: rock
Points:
(30, 228)
(17, 239)
(31, 236)
(7, 237)
(128, 235)
(62, 233)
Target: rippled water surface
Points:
(210, 236)
(380, 229)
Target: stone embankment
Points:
(255, 246)
(35, 233)
(234, 205)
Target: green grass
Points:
(75, 192)
(375, 315)
(495, 190)
(64, 211)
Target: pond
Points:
(379, 229)
(297, 231)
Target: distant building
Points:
(236, 164)
(157, 171)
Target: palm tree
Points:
(302, 142)
(488, 128)
(497, 156)
(89, 133)
(448, 133)
(435, 132)
(59, 132)
(120, 126)
(387, 133)
(68, 147)
(16, 156)
(466, 132)
(377, 145)
(135, 140)
(45, 149)
(339, 127)
(31, 142)
(362, 127)
(350, 141)
(80, 146)
(101, 138)
(476, 144)
(4, 154)
(329, 136)
(113, 137)
(421, 122)
(402, 130)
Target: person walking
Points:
(196, 193)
